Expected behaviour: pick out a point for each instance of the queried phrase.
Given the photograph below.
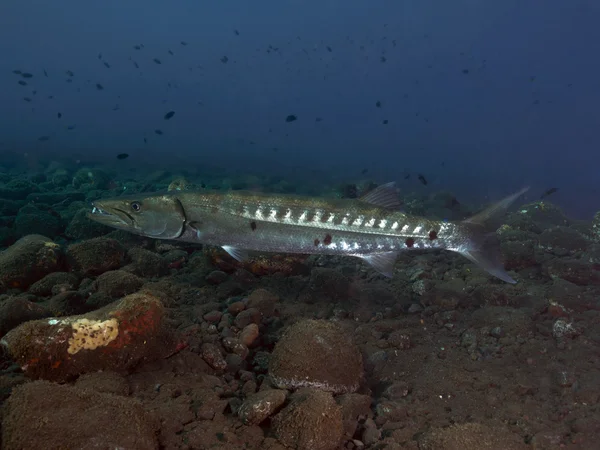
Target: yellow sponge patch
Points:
(91, 334)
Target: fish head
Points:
(159, 216)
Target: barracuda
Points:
(372, 228)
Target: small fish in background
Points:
(364, 171)
(422, 179)
(99, 55)
(291, 118)
(184, 43)
(169, 115)
(378, 104)
(107, 65)
(27, 99)
(548, 192)
(157, 61)
(45, 73)
(159, 132)
(70, 73)
(70, 127)
(171, 53)
(137, 66)
(17, 72)
(224, 59)
(43, 138)
(22, 83)
(99, 86)
(237, 33)
(26, 75)
(59, 115)
(145, 141)
(318, 119)
(123, 156)
(385, 122)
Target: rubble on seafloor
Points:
(111, 340)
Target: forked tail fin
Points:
(483, 247)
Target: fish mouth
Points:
(113, 217)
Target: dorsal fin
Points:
(384, 196)
(495, 211)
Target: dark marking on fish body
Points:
(317, 242)
(410, 242)
(432, 235)
(327, 239)
(253, 225)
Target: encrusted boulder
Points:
(312, 421)
(116, 337)
(27, 261)
(318, 354)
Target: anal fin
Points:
(382, 262)
(236, 253)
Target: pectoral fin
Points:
(236, 253)
(382, 262)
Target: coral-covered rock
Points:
(70, 417)
(470, 436)
(116, 337)
(82, 227)
(312, 421)
(117, 283)
(574, 270)
(562, 239)
(16, 310)
(325, 284)
(54, 283)
(27, 261)
(263, 300)
(318, 354)
(95, 256)
(32, 220)
(145, 263)
(258, 407)
(106, 381)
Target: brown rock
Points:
(258, 407)
(354, 407)
(249, 334)
(107, 382)
(319, 354)
(69, 417)
(216, 277)
(213, 356)
(16, 310)
(312, 421)
(117, 283)
(248, 316)
(264, 301)
(38, 254)
(46, 285)
(233, 345)
(147, 264)
(116, 337)
(473, 436)
(95, 256)
(236, 307)
(213, 316)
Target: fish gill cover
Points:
(299, 225)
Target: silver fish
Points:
(371, 228)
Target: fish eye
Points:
(136, 206)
